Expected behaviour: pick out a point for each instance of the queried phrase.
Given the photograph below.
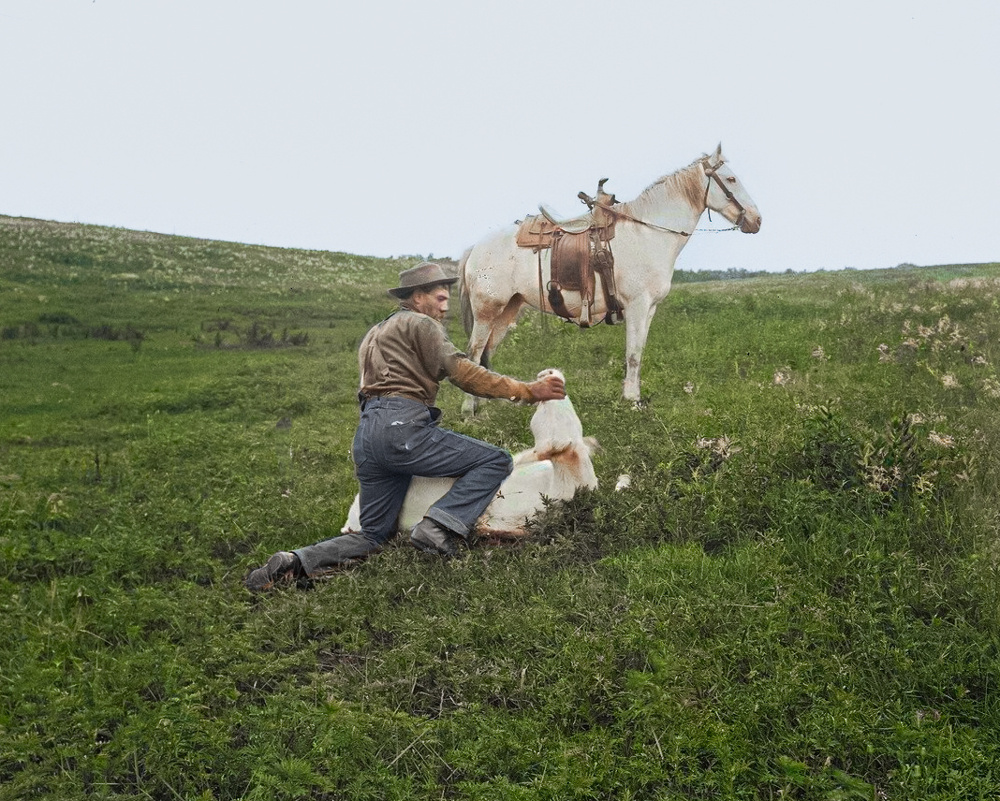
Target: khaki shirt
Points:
(408, 354)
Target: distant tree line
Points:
(732, 274)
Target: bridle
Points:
(713, 174)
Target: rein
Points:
(618, 213)
(712, 173)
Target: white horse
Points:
(497, 278)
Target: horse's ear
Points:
(718, 153)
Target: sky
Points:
(864, 131)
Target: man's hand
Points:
(552, 387)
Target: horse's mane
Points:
(686, 182)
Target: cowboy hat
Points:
(425, 275)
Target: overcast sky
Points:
(865, 131)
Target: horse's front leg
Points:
(638, 317)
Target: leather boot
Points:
(431, 537)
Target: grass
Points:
(796, 598)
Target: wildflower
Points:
(689, 388)
(991, 387)
(941, 440)
(723, 446)
(782, 377)
(949, 381)
(877, 478)
(819, 353)
(884, 354)
(980, 360)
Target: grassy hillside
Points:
(797, 597)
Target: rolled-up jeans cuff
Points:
(450, 522)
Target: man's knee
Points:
(504, 461)
(495, 467)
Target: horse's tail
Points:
(468, 317)
(463, 294)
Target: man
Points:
(402, 361)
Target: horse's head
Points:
(725, 193)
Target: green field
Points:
(797, 598)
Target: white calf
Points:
(558, 464)
(559, 439)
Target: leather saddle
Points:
(581, 250)
(569, 225)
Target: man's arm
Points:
(477, 380)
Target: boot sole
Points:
(431, 549)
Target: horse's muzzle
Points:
(750, 224)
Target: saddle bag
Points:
(535, 232)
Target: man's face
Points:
(432, 302)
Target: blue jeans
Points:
(397, 439)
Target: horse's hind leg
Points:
(501, 327)
(484, 339)
(476, 351)
(478, 342)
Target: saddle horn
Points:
(602, 198)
